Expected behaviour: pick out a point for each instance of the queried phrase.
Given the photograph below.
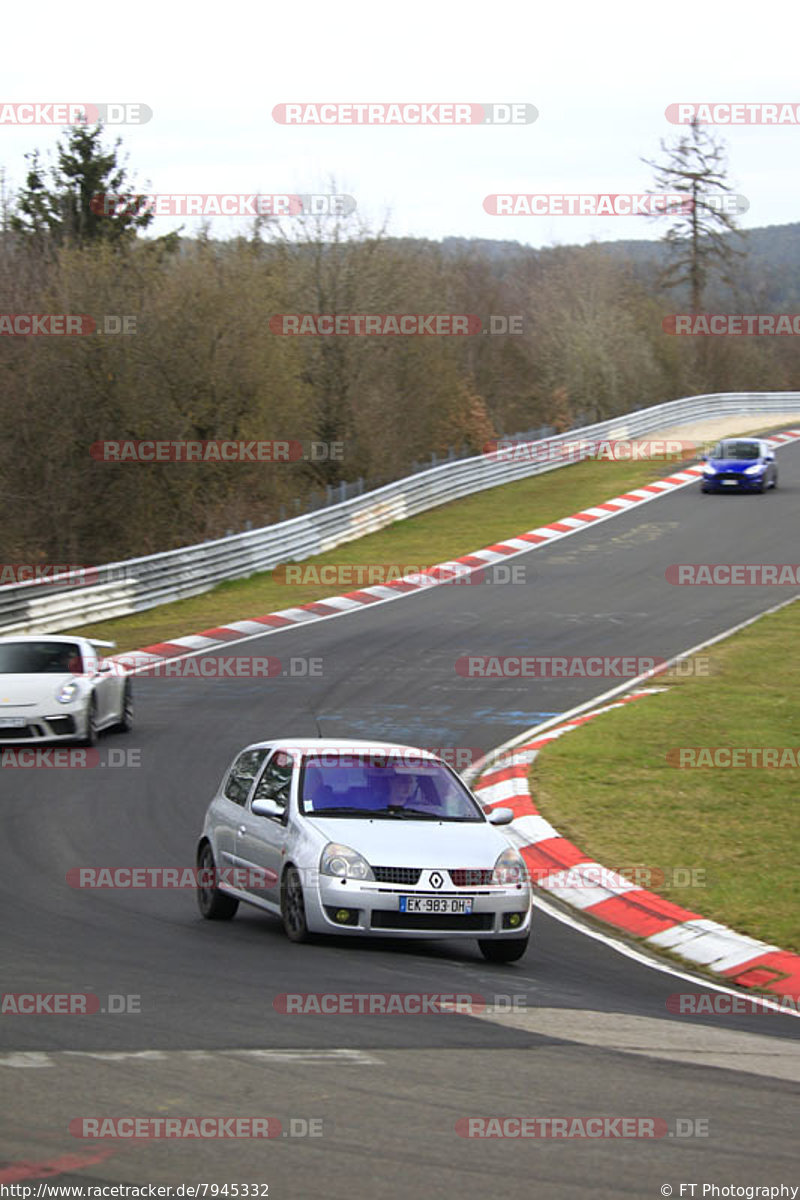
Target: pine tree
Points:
(88, 198)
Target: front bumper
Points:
(41, 727)
(374, 908)
(730, 482)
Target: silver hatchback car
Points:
(362, 838)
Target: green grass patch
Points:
(609, 788)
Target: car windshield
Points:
(40, 658)
(737, 450)
(377, 786)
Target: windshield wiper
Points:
(400, 810)
(383, 814)
(344, 810)
(414, 814)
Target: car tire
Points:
(90, 735)
(125, 722)
(505, 951)
(293, 908)
(214, 905)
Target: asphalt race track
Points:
(595, 1037)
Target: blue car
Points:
(740, 465)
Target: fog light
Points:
(514, 920)
(343, 915)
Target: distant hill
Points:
(768, 280)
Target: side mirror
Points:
(104, 667)
(501, 816)
(267, 808)
(703, 458)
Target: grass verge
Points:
(610, 788)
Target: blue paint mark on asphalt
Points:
(514, 716)
(387, 718)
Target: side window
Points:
(242, 774)
(276, 779)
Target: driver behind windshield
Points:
(738, 450)
(342, 788)
(403, 790)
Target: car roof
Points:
(55, 638)
(306, 745)
(43, 637)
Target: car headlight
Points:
(755, 469)
(340, 860)
(709, 470)
(67, 693)
(509, 870)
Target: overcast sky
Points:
(600, 76)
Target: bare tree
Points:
(697, 240)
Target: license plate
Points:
(12, 722)
(436, 904)
(730, 483)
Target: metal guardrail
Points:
(119, 589)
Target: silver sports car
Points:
(55, 688)
(360, 838)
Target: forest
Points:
(185, 342)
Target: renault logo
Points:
(435, 880)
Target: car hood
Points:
(735, 464)
(405, 843)
(40, 688)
